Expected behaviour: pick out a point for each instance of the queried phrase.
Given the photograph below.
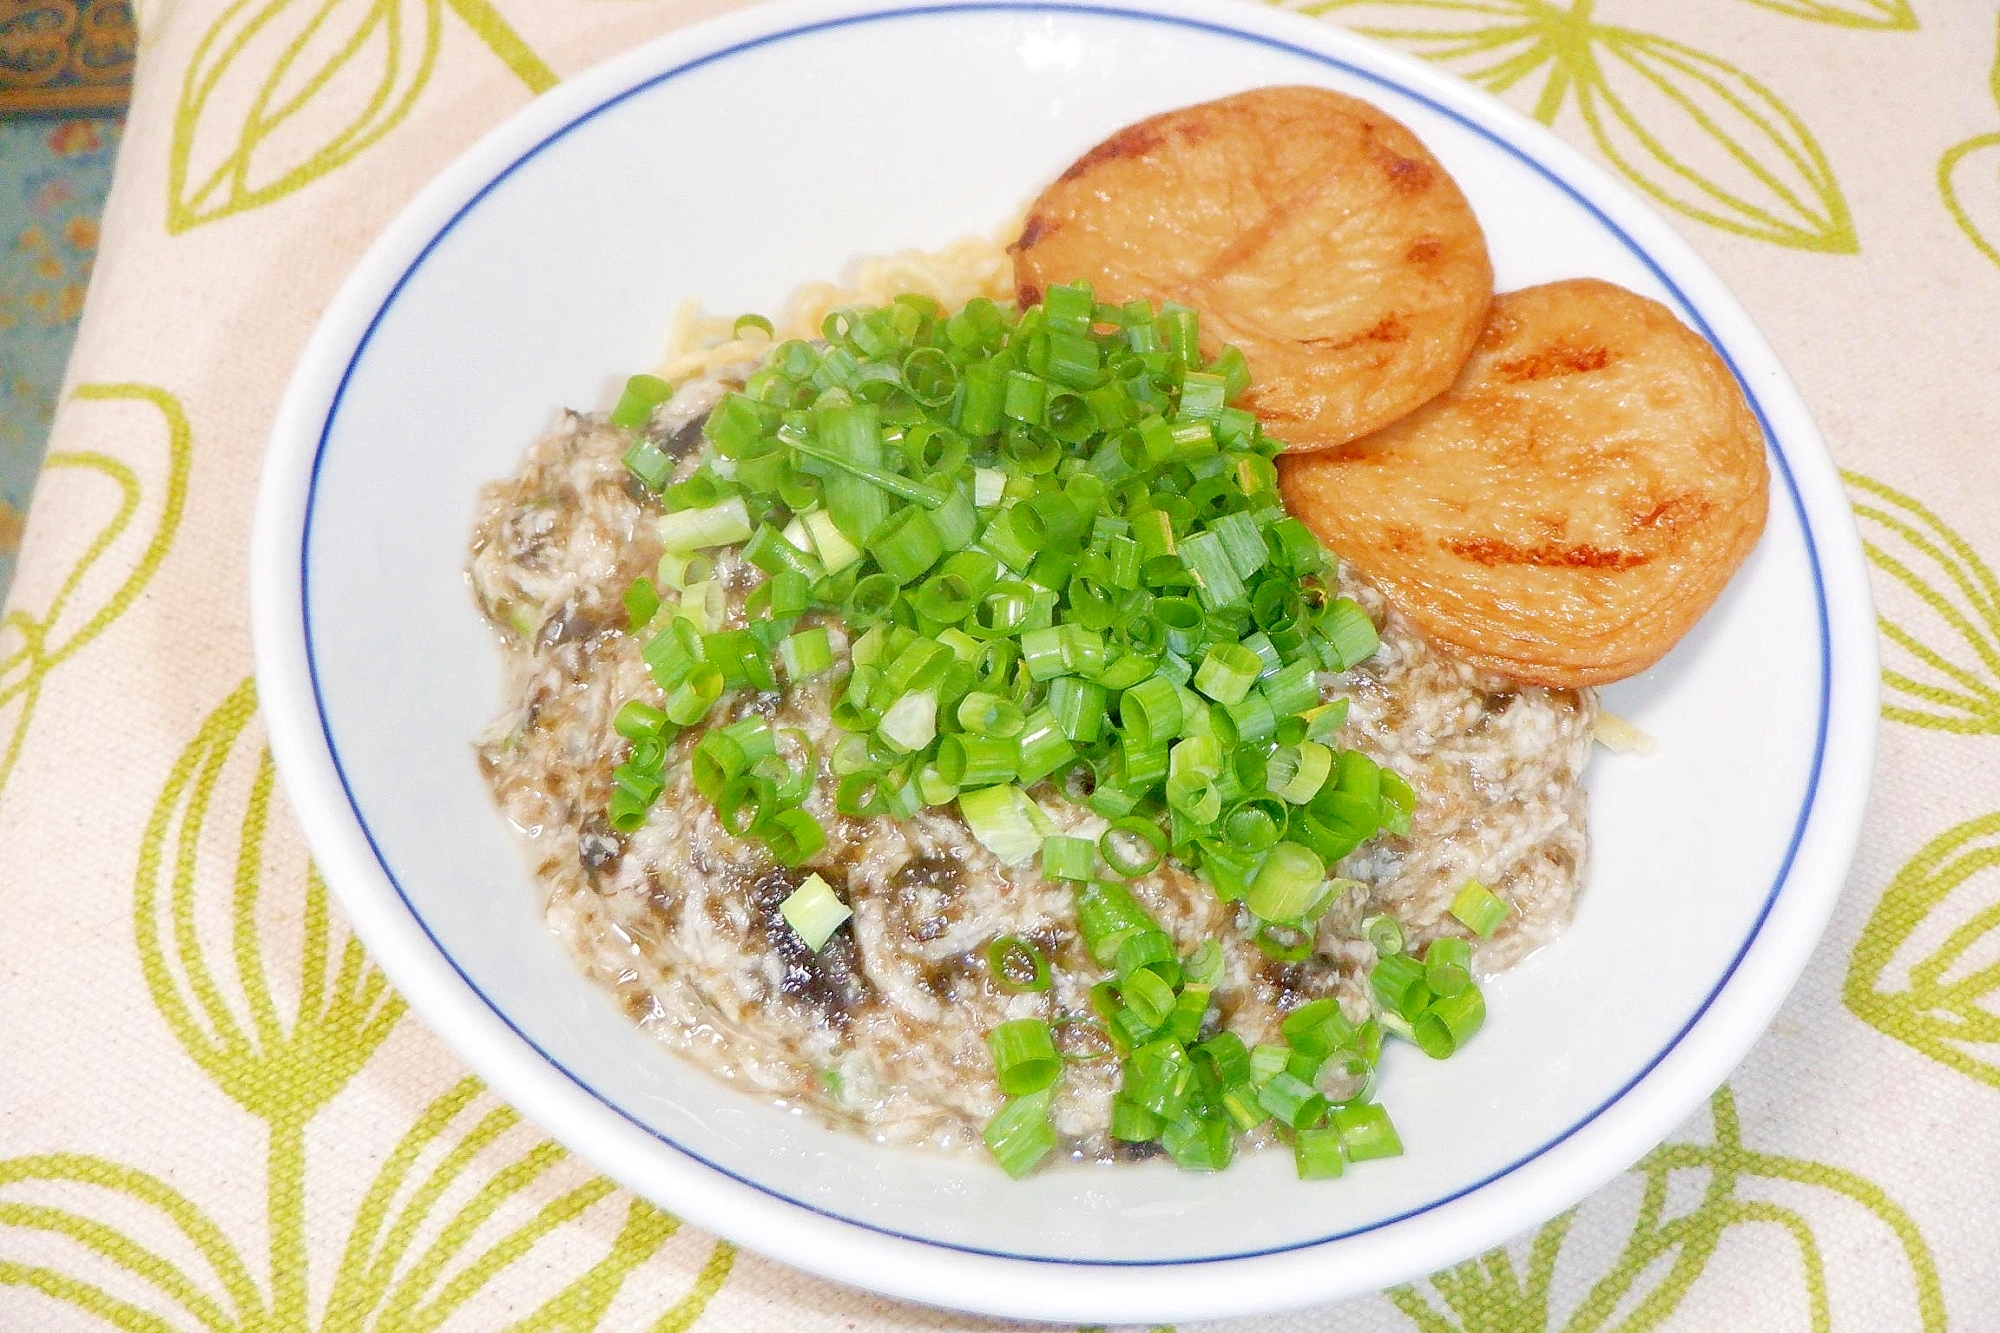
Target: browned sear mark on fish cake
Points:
(1132, 141)
(1407, 175)
(1550, 362)
(1492, 551)
(1388, 329)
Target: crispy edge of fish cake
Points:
(1568, 510)
(1295, 188)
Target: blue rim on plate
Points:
(1217, 29)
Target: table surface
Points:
(214, 1114)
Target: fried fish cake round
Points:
(1312, 230)
(1569, 508)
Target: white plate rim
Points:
(1536, 1186)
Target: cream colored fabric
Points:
(212, 1114)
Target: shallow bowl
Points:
(734, 160)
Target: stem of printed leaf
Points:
(503, 41)
(286, 1190)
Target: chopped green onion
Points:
(1359, 777)
(1189, 1013)
(977, 761)
(649, 463)
(1227, 1058)
(1326, 720)
(907, 544)
(1157, 1077)
(1266, 1062)
(1199, 1143)
(1044, 748)
(1205, 966)
(1398, 984)
(718, 525)
(1349, 633)
(638, 720)
(1020, 1136)
(1448, 966)
(1208, 563)
(691, 699)
(1479, 909)
(1384, 932)
(1128, 1030)
(1064, 857)
(1366, 1132)
(1133, 1123)
(1017, 965)
(1299, 551)
(1024, 1056)
(933, 789)
(900, 800)
(1024, 397)
(1282, 942)
(1151, 998)
(989, 486)
(1292, 1101)
(1151, 711)
(1151, 950)
(740, 657)
(1078, 707)
(642, 603)
(806, 654)
(1290, 885)
(625, 812)
(835, 551)
(1319, 1154)
(702, 605)
(1244, 1110)
(679, 569)
(998, 818)
(1106, 915)
(643, 786)
(642, 394)
(1227, 672)
(1318, 1028)
(1298, 772)
(1449, 1022)
(769, 551)
(1068, 309)
(1252, 719)
(1132, 846)
(910, 724)
(1178, 326)
(793, 836)
(1194, 795)
(814, 912)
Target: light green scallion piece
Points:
(814, 912)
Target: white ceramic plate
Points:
(737, 159)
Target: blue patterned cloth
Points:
(53, 178)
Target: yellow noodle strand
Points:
(701, 344)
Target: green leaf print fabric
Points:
(216, 1115)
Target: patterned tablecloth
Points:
(215, 1115)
